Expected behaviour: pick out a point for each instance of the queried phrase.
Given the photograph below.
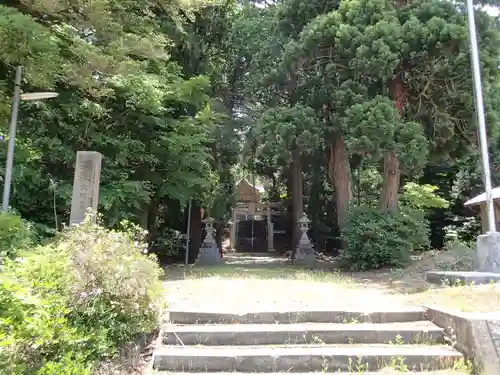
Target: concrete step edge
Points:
(326, 333)
(389, 371)
(421, 325)
(309, 349)
(407, 314)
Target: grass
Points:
(467, 298)
(262, 273)
(264, 282)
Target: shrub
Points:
(457, 256)
(168, 245)
(15, 234)
(375, 239)
(76, 300)
(34, 324)
(117, 285)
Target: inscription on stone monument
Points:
(85, 185)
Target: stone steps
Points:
(301, 333)
(303, 358)
(386, 371)
(308, 342)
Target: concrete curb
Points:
(265, 359)
(453, 277)
(471, 334)
(306, 333)
(287, 317)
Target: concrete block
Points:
(487, 257)
(305, 333)
(477, 335)
(209, 255)
(386, 371)
(301, 358)
(388, 315)
(468, 277)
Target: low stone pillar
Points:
(305, 254)
(270, 244)
(209, 252)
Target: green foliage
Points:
(167, 90)
(34, 326)
(281, 129)
(116, 286)
(124, 92)
(69, 303)
(422, 197)
(375, 127)
(68, 365)
(167, 245)
(375, 239)
(15, 235)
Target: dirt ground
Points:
(248, 282)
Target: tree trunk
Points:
(339, 173)
(289, 209)
(144, 216)
(219, 232)
(148, 219)
(297, 197)
(195, 232)
(392, 172)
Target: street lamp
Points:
(12, 130)
(478, 92)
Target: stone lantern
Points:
(305, 254)
(209, 252)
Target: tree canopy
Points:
(333, 104)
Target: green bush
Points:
(375, 239)
(117, 286)
(77, 300)
(15, 234)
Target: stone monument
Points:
(85, 185)
(305, 254)
(209, 252)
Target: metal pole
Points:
(254, 209)
(12, 138)
(478, 91)
(188, 232)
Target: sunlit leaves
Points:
(283, 128)
(24, 42)
(371, 126)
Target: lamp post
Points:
(478, 92)
(12, 130)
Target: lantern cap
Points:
(209, 220)
(304, 219)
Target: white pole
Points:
(478, 91)
(188, 232)
(254, 209)
(12, 139)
